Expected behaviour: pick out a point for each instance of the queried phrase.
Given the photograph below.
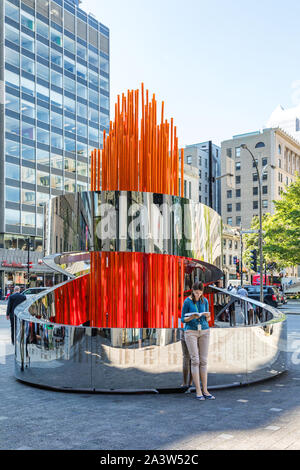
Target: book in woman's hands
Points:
(195, 313)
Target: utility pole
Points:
(28, 261)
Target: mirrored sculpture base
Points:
(133, 360)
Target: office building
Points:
(206, 156)
(54, 62)
(271, 148)
(286, 119)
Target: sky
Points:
(221, 67)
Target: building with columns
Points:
(271, 148)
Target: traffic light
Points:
(253, 258)
(237, 265)
(29, 265)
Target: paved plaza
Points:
(261, 416)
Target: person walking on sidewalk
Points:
(195, 316)
(13, 301)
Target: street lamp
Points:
(260, 180)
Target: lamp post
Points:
(260, 178)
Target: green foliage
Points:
(281, 231)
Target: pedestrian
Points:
(7, 294)
(195, 316)
(14, 300)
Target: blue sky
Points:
(220, 66)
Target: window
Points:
(56, 37)
(104, 83)
(27, 20)
(255, 204)
(238, 152)
(82, 91)
(81, 129)
(82, 168)
(12, 103)
(238, 221)
(12, 217)
(11, 34)
(28, 153)
(43, 179)
(229, 220)
(189, 159)
(238, 180)
(265, 189)
(56, 99)
(104, 66)
(12, 57)
(42, 156)
(42, 92)
(93, 59)
(93, 114)
(69, 44)
(12, 171)
(12, 194)
(56, 57)
(27, 42)
(56, 120)
(27, 65)
(42, 50)
(70, 145)
(69, 85)
(56, 141)
(265, 176)
(42, 114)
(255, 165)
(12, 125)
(70, 125)
(265, 204)
(70, 165)
(69, 105)
(42, 29)
(82, 73)
(104, 121)
(255, 177)
(279, 163)
(28, 219)
(229, 207)
(81, 51)
(11, 12)
(238, 166)
(41, 198)
(279, 149)
(238, 193)
(69, 185)
(27, 86)
(224, 259)
(255, 191)
(259, 145)
(190, 190)
(56, 182)
(238, 207)
(93, 97)
(28, 175)
(264, 162)
(28, 197)
(42, 136)
(43, 72)
(69, 65)
(12, 148)
(57, 162)
(229, 194)
(229, 153)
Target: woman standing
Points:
(195, 316)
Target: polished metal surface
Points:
(133, 222)
(103, 360)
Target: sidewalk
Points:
(261, 416)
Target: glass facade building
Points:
(54, 67)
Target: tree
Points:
(281, 230)
(284, 228)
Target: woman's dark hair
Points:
(198, 286)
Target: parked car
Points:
(271, 294)
(31, 291)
